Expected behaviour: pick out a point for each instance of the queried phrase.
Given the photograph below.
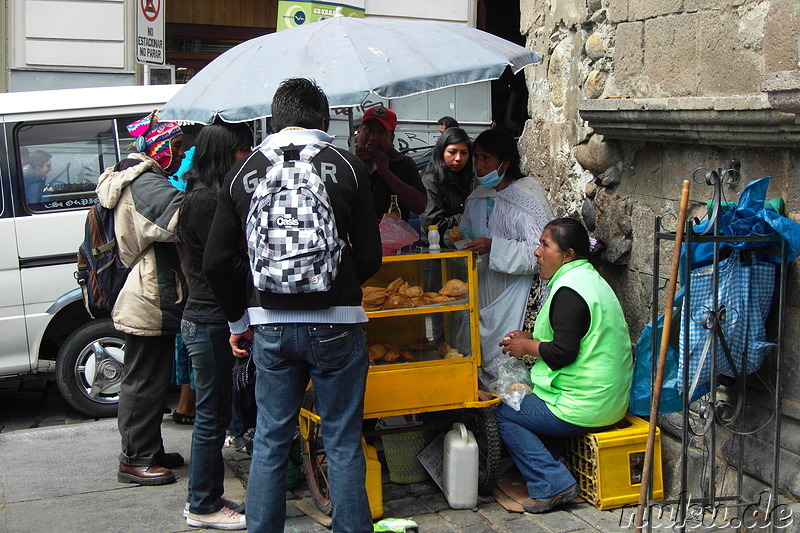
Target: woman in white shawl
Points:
(503, 218)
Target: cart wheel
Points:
(484, 426)
(315, 460)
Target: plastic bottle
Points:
(394, 207)
(460, 476)
(433, 238)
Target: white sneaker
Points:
(234, 505)
(222, 519)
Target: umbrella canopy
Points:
(349, 58)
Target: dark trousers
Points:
(143, 396)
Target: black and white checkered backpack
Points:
(292, 240)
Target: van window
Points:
(60, 162)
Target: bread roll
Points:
(454, 288)
(392, 354)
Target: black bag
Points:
(101, 273)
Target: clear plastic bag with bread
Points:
(395, 233)
(513, 381)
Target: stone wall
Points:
(695, 54)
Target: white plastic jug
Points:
(460, 477)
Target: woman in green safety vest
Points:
(580, 353)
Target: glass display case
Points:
(422, 334)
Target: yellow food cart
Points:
(424, 345)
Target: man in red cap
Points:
(390, 172)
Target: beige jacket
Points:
(145, 217)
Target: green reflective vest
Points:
(593, 391)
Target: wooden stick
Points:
(655, 400)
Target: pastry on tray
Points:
(454, 288)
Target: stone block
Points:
(598, 154)
(531, 15)
(613, 226)
(432, 523)
(595, 84)
(647, 9)
(461, 518)
(562, 521)
(791, 338)
(594, 46)
(617, 11)
(534, 148)
(783, 90)
(559, 71)
(628, 57)
(603, 520)
(670, 55)
(725, 66)
(780, 33)
(701, 5)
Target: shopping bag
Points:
(641, 385)
(745, 295)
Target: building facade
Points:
(632, 97)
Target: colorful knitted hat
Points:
(153, 137)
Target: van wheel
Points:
(89, 368)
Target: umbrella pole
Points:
(351, 139)
(662, 357)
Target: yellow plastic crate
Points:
(608, 465)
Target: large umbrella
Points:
(350, 59)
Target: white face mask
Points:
(492, 178)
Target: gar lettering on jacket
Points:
(145, 215)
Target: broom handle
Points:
(662, 357)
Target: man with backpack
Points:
(293, 237)
(149, 306)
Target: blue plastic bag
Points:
(641, 386)
(748, 217)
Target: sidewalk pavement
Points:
(63, 478)
(58, 473)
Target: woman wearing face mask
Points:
(504, 218)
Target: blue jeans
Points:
(212, 362)
(335, 358)
(529, 436)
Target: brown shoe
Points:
(145, 475)
(542, 505)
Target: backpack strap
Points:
(311, 150)
(273, 153)
(140, 256)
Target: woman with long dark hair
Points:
(448, 180)
(581, 355)
(205, 329)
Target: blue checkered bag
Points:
(745, 297)
(292, 240)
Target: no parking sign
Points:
(150, 32)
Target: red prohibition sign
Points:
(149, 9)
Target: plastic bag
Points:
(746, 288)
(513, 381)
(752, 215)
(395, 233)
(641, 388)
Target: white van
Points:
(53, 147)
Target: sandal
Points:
(180, 418)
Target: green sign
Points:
(291, 14)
